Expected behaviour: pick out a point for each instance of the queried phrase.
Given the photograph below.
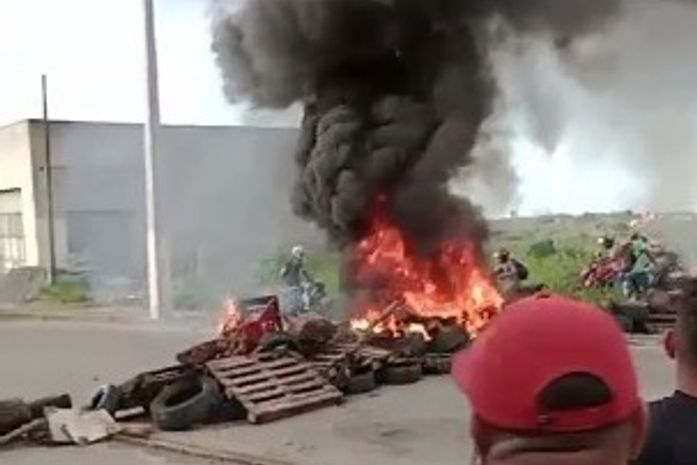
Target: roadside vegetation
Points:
(67, 289)
(556, 250)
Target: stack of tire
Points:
(191, 401)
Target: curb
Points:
(75, 315)
(197, 452)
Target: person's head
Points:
(503, 255)
(551, 382)
(681, 340)
(606, 242)
(298, 252)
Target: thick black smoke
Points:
(394, 92)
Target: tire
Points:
(436, 364)
(400, 375)
(361, 384)
(107, 398)
(186, 403)
(230, 410)
(411, 345)
(449, 340)
(272, 341)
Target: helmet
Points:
(298, 251)
(502, 254)
(606, 242)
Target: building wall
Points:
(222, 197)
(17, 171)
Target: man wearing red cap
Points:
(673, 433)
(551, 382)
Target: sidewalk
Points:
(107, 315)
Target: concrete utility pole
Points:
(49, 183)
(151, 140)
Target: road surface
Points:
(423, 423)
(42, 358)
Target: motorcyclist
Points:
(295, 275)
(294, 272)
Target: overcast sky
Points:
(92, 51)
(93, 54)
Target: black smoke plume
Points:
(394, 92)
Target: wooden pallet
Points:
(272, 386)
(348, 356)
(331, 363)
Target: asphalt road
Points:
(423, 423)
(39, 359)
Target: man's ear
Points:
(640, 434)
(670, 344)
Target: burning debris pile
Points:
(262, 366)
(394, 93)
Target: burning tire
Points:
(186, 403)
(273, 341)
(400, 375)
(361, 384)
(449, 340)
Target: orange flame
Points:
(450, 285)
(231, 317)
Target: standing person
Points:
(673, 430)
(639, 277)
(551, 382)
(510, 273)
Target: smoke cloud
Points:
(623, 98)
(394, 95)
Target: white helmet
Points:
(298, 251)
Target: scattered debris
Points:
(15, 412)
(263, 367)
(67, 426)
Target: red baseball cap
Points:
(534, 342)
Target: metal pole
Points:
(151, 139)
(49, 183)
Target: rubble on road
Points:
(262, 367)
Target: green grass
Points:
(554, 258)
(561, 268)
(66, 293)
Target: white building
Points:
(222, 193)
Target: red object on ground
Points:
(534, 342)
(263, 316)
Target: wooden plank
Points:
(248, 371)
(298, 378)
(279, 410)
(262, 376)
(290, 382)
(239, 362)
(308, 387)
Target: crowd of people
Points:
(632, 265)
(551, 382)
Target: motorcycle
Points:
(310, 296)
